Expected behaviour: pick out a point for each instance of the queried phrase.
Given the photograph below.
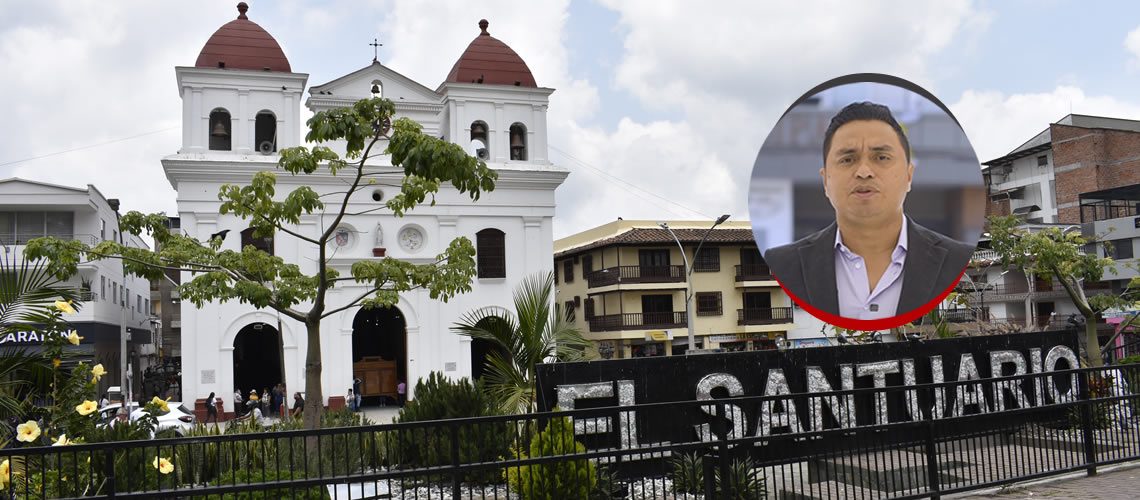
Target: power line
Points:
(81, 148)
(629, 184)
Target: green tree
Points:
(262, 280)
(533, 334)
(1058, 254)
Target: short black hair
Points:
(865, 110)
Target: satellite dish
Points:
(478, 149)
(266, 147)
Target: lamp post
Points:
(689, 274)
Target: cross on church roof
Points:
(375, 49)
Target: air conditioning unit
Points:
(266, 147)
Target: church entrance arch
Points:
(379, 353)
(258, 355)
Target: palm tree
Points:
(27, 292)
(533, 334)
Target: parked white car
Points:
(180, 418)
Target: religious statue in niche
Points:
(378, 248)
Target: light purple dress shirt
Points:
(856, 299)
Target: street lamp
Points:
(689, 274)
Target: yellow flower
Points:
(161, 404)
(96, 372)
(64, 306)
(55, 362)
(74, 337)
(28, 431)
(87, 407)
(163, 465)
(4, 470)
(62, 441)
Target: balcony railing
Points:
(985, 255)
(636, 274)
(23, 238)
(637, 321)
(753, 272)
(764, 315)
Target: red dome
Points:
(491, 62)
(242, 44)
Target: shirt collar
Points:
(899, 251)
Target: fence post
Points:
(109, 470)
(1085, 400)
(933, 481)
(455, 475)
(708, 475)
(722, 449)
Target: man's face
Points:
(866, 174)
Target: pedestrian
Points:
(254, 400)
(238, 403)
(401, 392)
(104, 401)
(350, 399)
(298, 404)
(211, 408)
(265, 401)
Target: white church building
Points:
(241, 104)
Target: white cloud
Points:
(1132, 43)
(730, 72)
(996, 122)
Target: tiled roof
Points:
(491, 62)
(650, 236)
(242, 44)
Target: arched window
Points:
(518, 142)
(265, 132)
(220, 133)
(491, 253)
(263, 244)
(480, 147)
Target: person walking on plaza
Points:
(211, 408)
(350, 399)
(298, 404)
(239, 403)
(356, 382)
(401, 392)
(266, 402)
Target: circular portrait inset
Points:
(867, 201)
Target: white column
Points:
(242, 132)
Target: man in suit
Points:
(873, 262)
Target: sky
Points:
(660, 106)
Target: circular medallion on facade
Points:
(343, 238)
(411, 238)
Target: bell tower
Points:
(241, 96)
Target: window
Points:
(709, 304)
(19, 227)
(587, 265)
(568, 268)
(491, 253)
(589, 308)
(1119, 249)
(103, 287)
(1042, 160)
(102, 229)
(263, 244)
(570, 311)
(555, 273)
(707, 260)
(220, 133)
(518, 142)
(265, 132)
(138, 303)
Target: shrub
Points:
(439, 398)
(741, 483)
(242, 476)
(553, 480)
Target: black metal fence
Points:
(743, 449)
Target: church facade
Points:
(241, 105)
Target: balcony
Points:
(753, 272)
(636, 274)
(985, 256)
(23, 238)
(764, 316)
(637, 321)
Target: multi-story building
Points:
(624, 284)
(108, 300)
(1081, 173)
(241, 102)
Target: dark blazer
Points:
(806, 267)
